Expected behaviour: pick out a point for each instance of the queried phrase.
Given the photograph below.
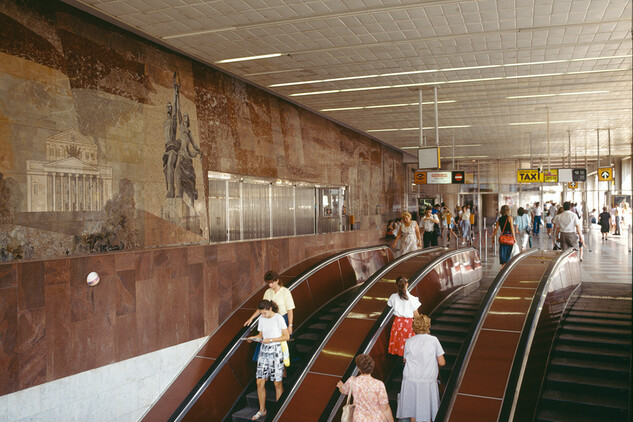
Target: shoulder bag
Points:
(506, 238)
(348, 409)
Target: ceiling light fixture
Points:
(446, 146)
(455, 69)
(543, 123)
(416, 128)
(562, 93)
(332, 91)
(385, 106)
(243, 59)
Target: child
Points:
(548, 223)
(405, 307)
(270, 362)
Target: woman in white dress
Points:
(410, 234)
(419, 397)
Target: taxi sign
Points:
(419, 178)
(550, 176)
(529, 176)
(572, 185)
(605, 174)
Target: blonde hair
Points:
(405, 214)
(421, 324)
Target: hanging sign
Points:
(458, 177)
(605, 174)
(565, 175)
(550, 176)
(529, 176)
(572, 185)
(579, 175)
(439, 177)
(419, 178)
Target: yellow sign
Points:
(572, 185)
(550, 176)
(529, 176)
(605, 174)
(419, 178)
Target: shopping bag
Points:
(348, 409)
(515, 250)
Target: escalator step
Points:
(304, 349)
(310, 338)
(610, 316)
(455, 328)
(587, 400)
(571, 364)
(583, 381)
(246, 414)
(452, 319)
(327, 317)
(459, 312)
(595, 338)
(253, 401)
(565, 415)
(603, 330)
(448, 337)
(603, 322)
(596, 351)
(321, 326)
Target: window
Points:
(242, 208)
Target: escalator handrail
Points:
(233, 345)
(524, 345)
(370, 340)
(283, 401)
(457, 373)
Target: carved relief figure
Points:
(185, 179)
(172, 145)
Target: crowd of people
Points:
(436, 227)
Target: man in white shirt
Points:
(537, 212)
(569, 227)
(428, 226)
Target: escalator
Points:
(306, 340)
(450, 323)
(588, 375)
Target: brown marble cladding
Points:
(52, 324)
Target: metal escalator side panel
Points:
(225, 350)
(487, 369)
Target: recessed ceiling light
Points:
(562, 93)
(417, 72)
(243, 59)
(386, 106)
(370, 88)
(542, 123)
(416, 128)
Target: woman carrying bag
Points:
(370, 395)
(507, 239)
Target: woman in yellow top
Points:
(282, 298)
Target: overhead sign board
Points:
(429, 158)
(565, 175)
(529, 176)
(605, 174)
(439, 177)
(419, 178)
(579, 175)
(458, 177)
(550, 176)
(572, 185)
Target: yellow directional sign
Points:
(550, 176)
(572, 185)
(529, 176)
(605, 174)
(419, 178)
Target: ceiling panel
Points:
(573, 55)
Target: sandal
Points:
(258, 415)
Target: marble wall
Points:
(87, 107)
(52, 324)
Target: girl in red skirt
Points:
(405, 307)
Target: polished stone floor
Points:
(607, 261)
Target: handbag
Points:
(348, 409)
(506, 238)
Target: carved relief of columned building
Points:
(70, 179)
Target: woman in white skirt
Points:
(419, 397)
